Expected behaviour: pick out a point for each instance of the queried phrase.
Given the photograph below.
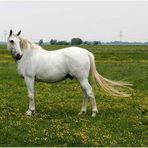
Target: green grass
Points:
(120, 121)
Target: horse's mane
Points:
(26, 44)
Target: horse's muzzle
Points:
(18, 56)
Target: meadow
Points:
(120, 121)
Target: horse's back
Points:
(75, 50)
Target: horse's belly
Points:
(50, 77)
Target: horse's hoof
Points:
(29, 113)
(82, 112)
(94, 113)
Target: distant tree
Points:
(99, 43)
(85, 42)
(62, 43)
(96, 42)
(76, 41)
(40, 42)
(53, 42)
(65, 43)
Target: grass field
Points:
(120, 121)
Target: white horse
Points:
(36, 64)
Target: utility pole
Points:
(1, 38)
(120, 36)
(5, 36)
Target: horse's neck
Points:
(31, 47)
(31, 50)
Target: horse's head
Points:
(13, 45)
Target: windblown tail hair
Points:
(114, 88)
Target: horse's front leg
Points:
(30, 87)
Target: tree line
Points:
(74, 41)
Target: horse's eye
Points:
(11, 41)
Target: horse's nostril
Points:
(18, 56)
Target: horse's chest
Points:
(24, 69)
(21, 70)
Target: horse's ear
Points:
(10, 32)
(19, 33)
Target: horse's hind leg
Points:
(84, 102)
(87, 87)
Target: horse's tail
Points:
(114, 88)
